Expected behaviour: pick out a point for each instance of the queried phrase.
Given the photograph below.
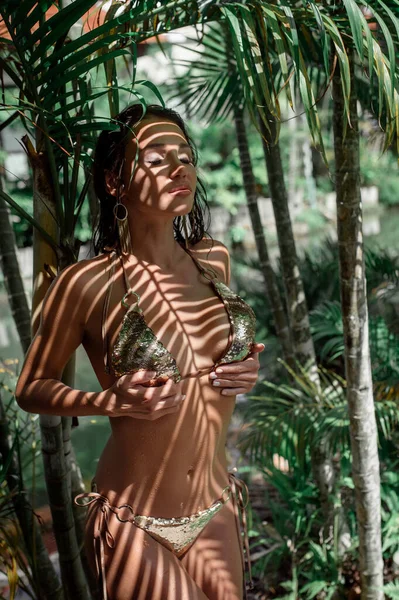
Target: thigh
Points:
(214, 560)
(138, 567)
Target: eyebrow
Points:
(183, 145)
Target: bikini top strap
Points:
(113, 258)
(125, 278)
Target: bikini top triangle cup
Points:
(138, 348)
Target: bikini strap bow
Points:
(101, 528)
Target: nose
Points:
(177, 168)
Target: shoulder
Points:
(215, 254)
(80, 273)
(74, 284)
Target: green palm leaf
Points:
(56, 98)
(25, 215)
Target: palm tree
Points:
(269, 277)
(363, 428)
(293, 285)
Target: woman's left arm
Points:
(240, 377)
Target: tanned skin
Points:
(166, 454)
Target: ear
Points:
(111, 183)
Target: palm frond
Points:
(288, 419)
(54, 74)
(326, 325)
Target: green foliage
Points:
(289, 418)
(24, 429)
(286, 418)
(285, 422)
(391, 590)
(314, 218)
(381, 170)
(22, 228)
(24, 451)
(286, 544)
(382, 267)
(326, 324)
(390, 509)
(56, 91)
(320, 275)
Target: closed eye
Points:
(184, 159)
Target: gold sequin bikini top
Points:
(137, 347)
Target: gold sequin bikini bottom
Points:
(176, 534)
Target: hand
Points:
(238, 377)
(131, 396)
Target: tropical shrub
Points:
(286, 420)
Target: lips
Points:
(180, 188)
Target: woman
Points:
(156, 318)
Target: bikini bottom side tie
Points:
(176, 534)
(238, 487)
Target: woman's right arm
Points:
(61, 329)
(60, 332)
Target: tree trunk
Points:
(55, 466)
(308, 169)
(322, 465)
(75, 482)
(48, 585)
(272, 291)
(293, 161)
(44, 575)
(363, 430)
(296, 301)
(12, 276)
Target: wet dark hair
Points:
(109, 155)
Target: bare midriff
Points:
(175, 465)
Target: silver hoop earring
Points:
(125, 240)
(117, 206)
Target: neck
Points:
(153, 240)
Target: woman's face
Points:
(165, 178)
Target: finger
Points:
(239, 368)
(258, 347)
(138, 377)
(235, 380)
(156, 382)
(229, 383)
(233, 391)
